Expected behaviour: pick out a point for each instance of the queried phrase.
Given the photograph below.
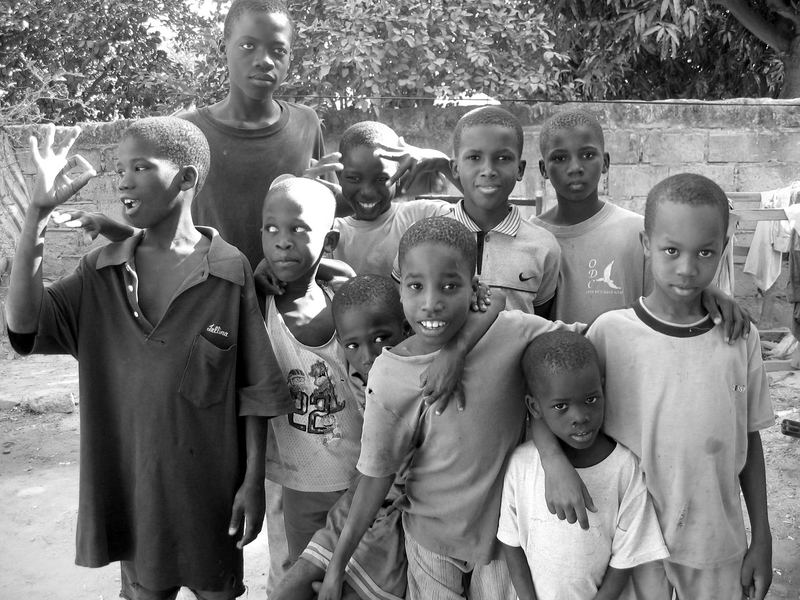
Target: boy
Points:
(690, 405)
(455, 462)
(369, 237)
(253, 137)
(558, 560)
(513, 255)
(602, 264)
(176, 371)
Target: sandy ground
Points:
(39, 493)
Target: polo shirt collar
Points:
(508, 226)
(223, 260)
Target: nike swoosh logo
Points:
(523, 278)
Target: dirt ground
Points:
(39, 492)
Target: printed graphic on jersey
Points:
(315, 401)
(598, 283)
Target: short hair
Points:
(440, 230)
(686, 188)
(487, 115)
(175, 139)
(557, 352)
(569, 119)
(369, 134)
(241, 7)
(307, 189)
(369, 290)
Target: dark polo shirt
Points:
(161, 437)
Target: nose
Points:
(124, 181)
(365, 355)
(368, 192)
(263, 60)
(488, 168)
(580, 415)
(687, 265)
(283, 241)
(574, 166)
(432, 302)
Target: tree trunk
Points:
(791, 70)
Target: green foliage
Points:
(664, 49)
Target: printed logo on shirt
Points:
(523, 277)
(738, 388)
(213, 328)
(601, 284)
(315, 404)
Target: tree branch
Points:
(787, 12)
(756, 24)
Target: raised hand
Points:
(419, 170)
(53, 184)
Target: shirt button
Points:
(130, 288)
(136, 314)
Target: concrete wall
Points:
(746, 146)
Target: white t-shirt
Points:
(370, 246)
(683, 400)
(567, 562)
(602, 264)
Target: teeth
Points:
(432, 324)
(368, 205)
(127, 202)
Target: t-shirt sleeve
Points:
(388, 433)
(528, 327)
(508, 526)
(58, 326)
(759, 406)
(260, 388)
(637, 538)
(550, 268)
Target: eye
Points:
(560, 407)
(300, 229)
(589, 154)
(449, 287)
(591, 400)
(414, 286)
(379, 339)
(120, 172)
(140, 168)
(706, 253)
(281, 51)
(352, 179)
(472, 157)
(247, 45)
(351, 346)
(671, 251)
(269, 229)
(557, 157)
(382, 179)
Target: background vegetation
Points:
(83, 60)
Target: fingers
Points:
(236, 519)
(70, 135)
(321, 169)
(87, 172)
(461, 401)
(587, 499)
(251, 531)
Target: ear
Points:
(521, 169)
(606, 161)
(454, 168)
(543, 169)
(221, 46)
(645, 239)
(188, 177)
(331, 241)
(533, 406)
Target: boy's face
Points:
(488, 166)
(293, 235)
(258, 52)
(571, 404)
(148, 185)
(363, 332)
(573, 161)
(363, 182)
(436, 289)
(684, 249)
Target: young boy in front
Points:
(455, 461)
(690, 405)
(550, 559)
(176, 371)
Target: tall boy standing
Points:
(172, 355)
(690, 405)
(253, 137)
(456, 462)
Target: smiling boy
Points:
(514, 255)
(176, 371)
(456, 460)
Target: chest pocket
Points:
(208, 372)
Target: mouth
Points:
(129, 203)
(488, 189)
(368, 205)
(684, 290)
(262, 79)
(583, 436)
(432, 326)
(576, 186)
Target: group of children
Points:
(197, 381)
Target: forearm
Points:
(614, 582)
(546, 442)
(25, 290)
(520, 572)
(368, 498)
(753, 480)
(255, 431)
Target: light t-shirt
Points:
(315, 447)
(602, 263)
(683, 400)
(567, 562)
(371, 246)
(455, 474)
